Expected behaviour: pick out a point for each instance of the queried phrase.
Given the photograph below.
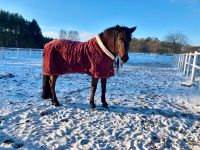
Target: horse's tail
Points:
(46, 93)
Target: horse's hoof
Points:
(46, 97)
(105, 104)
(92, 105)
(57, 104)
(93, 109)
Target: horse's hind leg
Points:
(46, 91)
(52, 87)
(93, 90)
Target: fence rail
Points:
(189, 64)
(20, 53)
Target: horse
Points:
(95, 57)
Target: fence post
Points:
(185, 65)
(179, 61)
(183, 62)
(193, 67)
(188, 68)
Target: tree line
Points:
(15, 31)
(174, 43)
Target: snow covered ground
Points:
(148, 108)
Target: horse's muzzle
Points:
(124, 59)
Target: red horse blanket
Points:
(91, 57)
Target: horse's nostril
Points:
(127, 58)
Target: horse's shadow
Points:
(145, 111)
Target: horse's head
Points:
(123, 39)
(117, 40)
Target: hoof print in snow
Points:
(21, 123)
(184, 115)
(8, 141)
(18, 145)
(145, 117)
(7, 75)
(84, 141)
(46, 113)
(155, 139)
(134, 109)
(28, 121)
(64, 120)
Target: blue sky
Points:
(154, 18)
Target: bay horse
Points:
(95, 57)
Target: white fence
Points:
(20, 53)
(189, 63)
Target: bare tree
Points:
(176, 40)
(73, 35)
(62, 34)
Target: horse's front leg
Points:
(103, 94)
(93, 90)
(52, 87)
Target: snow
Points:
(148, 108)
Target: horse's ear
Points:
(132, 29)
(117, 26)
